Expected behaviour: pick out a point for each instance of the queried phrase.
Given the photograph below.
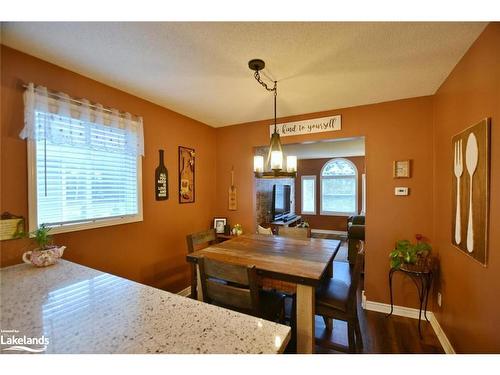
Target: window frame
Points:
(73, 227)
(302, 178)
(356, 197)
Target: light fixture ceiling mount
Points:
(256, 64)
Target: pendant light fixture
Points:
(275, 156)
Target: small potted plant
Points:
(237, 230)
(46, 253)
(410, 255)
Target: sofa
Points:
(355, 233)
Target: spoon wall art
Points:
(470, 190)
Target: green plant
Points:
(409, 253)
(41, 236)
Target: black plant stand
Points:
(422, 277)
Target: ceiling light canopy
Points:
(275, 156)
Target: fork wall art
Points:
(470, 190)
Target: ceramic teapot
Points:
(45, 257)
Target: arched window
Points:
(339, 190)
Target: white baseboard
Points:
(397, 310)
(327, 231)
(186, 292)
(443, 339)
(410, 313)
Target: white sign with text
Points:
(317, 125)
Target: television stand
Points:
(282, 223)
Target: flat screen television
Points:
(280, 202)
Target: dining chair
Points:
(194, 242)
(294, 232)
(337, 299)
(236, 287)
(265, 231)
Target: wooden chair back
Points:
(194, 240)
(229, 285)
(355, 278)
(294, 232)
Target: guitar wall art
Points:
(470, 190)
(186, 174)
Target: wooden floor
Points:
(381, 334)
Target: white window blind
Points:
(76, 184)
(308, 188)
(339, 188)
(84, 172)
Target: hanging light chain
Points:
(257, 77)
(274, 89)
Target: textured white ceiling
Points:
(200, 69)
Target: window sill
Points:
(95, 224)
(346, 214)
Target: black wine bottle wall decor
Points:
(161, 180)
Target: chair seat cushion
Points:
(333, 293)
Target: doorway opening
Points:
(328, 194)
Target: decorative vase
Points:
(45, 257)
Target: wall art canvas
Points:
(232, 200)
(186, 174)
(161, 179)
(470, 190)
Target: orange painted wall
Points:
(471, 307)
(394, 130)
(152, 251)
(308, 167)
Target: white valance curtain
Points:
(59, 120)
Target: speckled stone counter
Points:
(82, 310)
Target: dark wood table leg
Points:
(329, 275)
(391, 272)
(194, 291)
(421, 296)
(428, 288)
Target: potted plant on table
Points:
(46, 253)
(410, 255)
(237, 230)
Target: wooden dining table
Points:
(301, 261)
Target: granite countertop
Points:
(81, 310)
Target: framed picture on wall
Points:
(219, 224)
(401, 169)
